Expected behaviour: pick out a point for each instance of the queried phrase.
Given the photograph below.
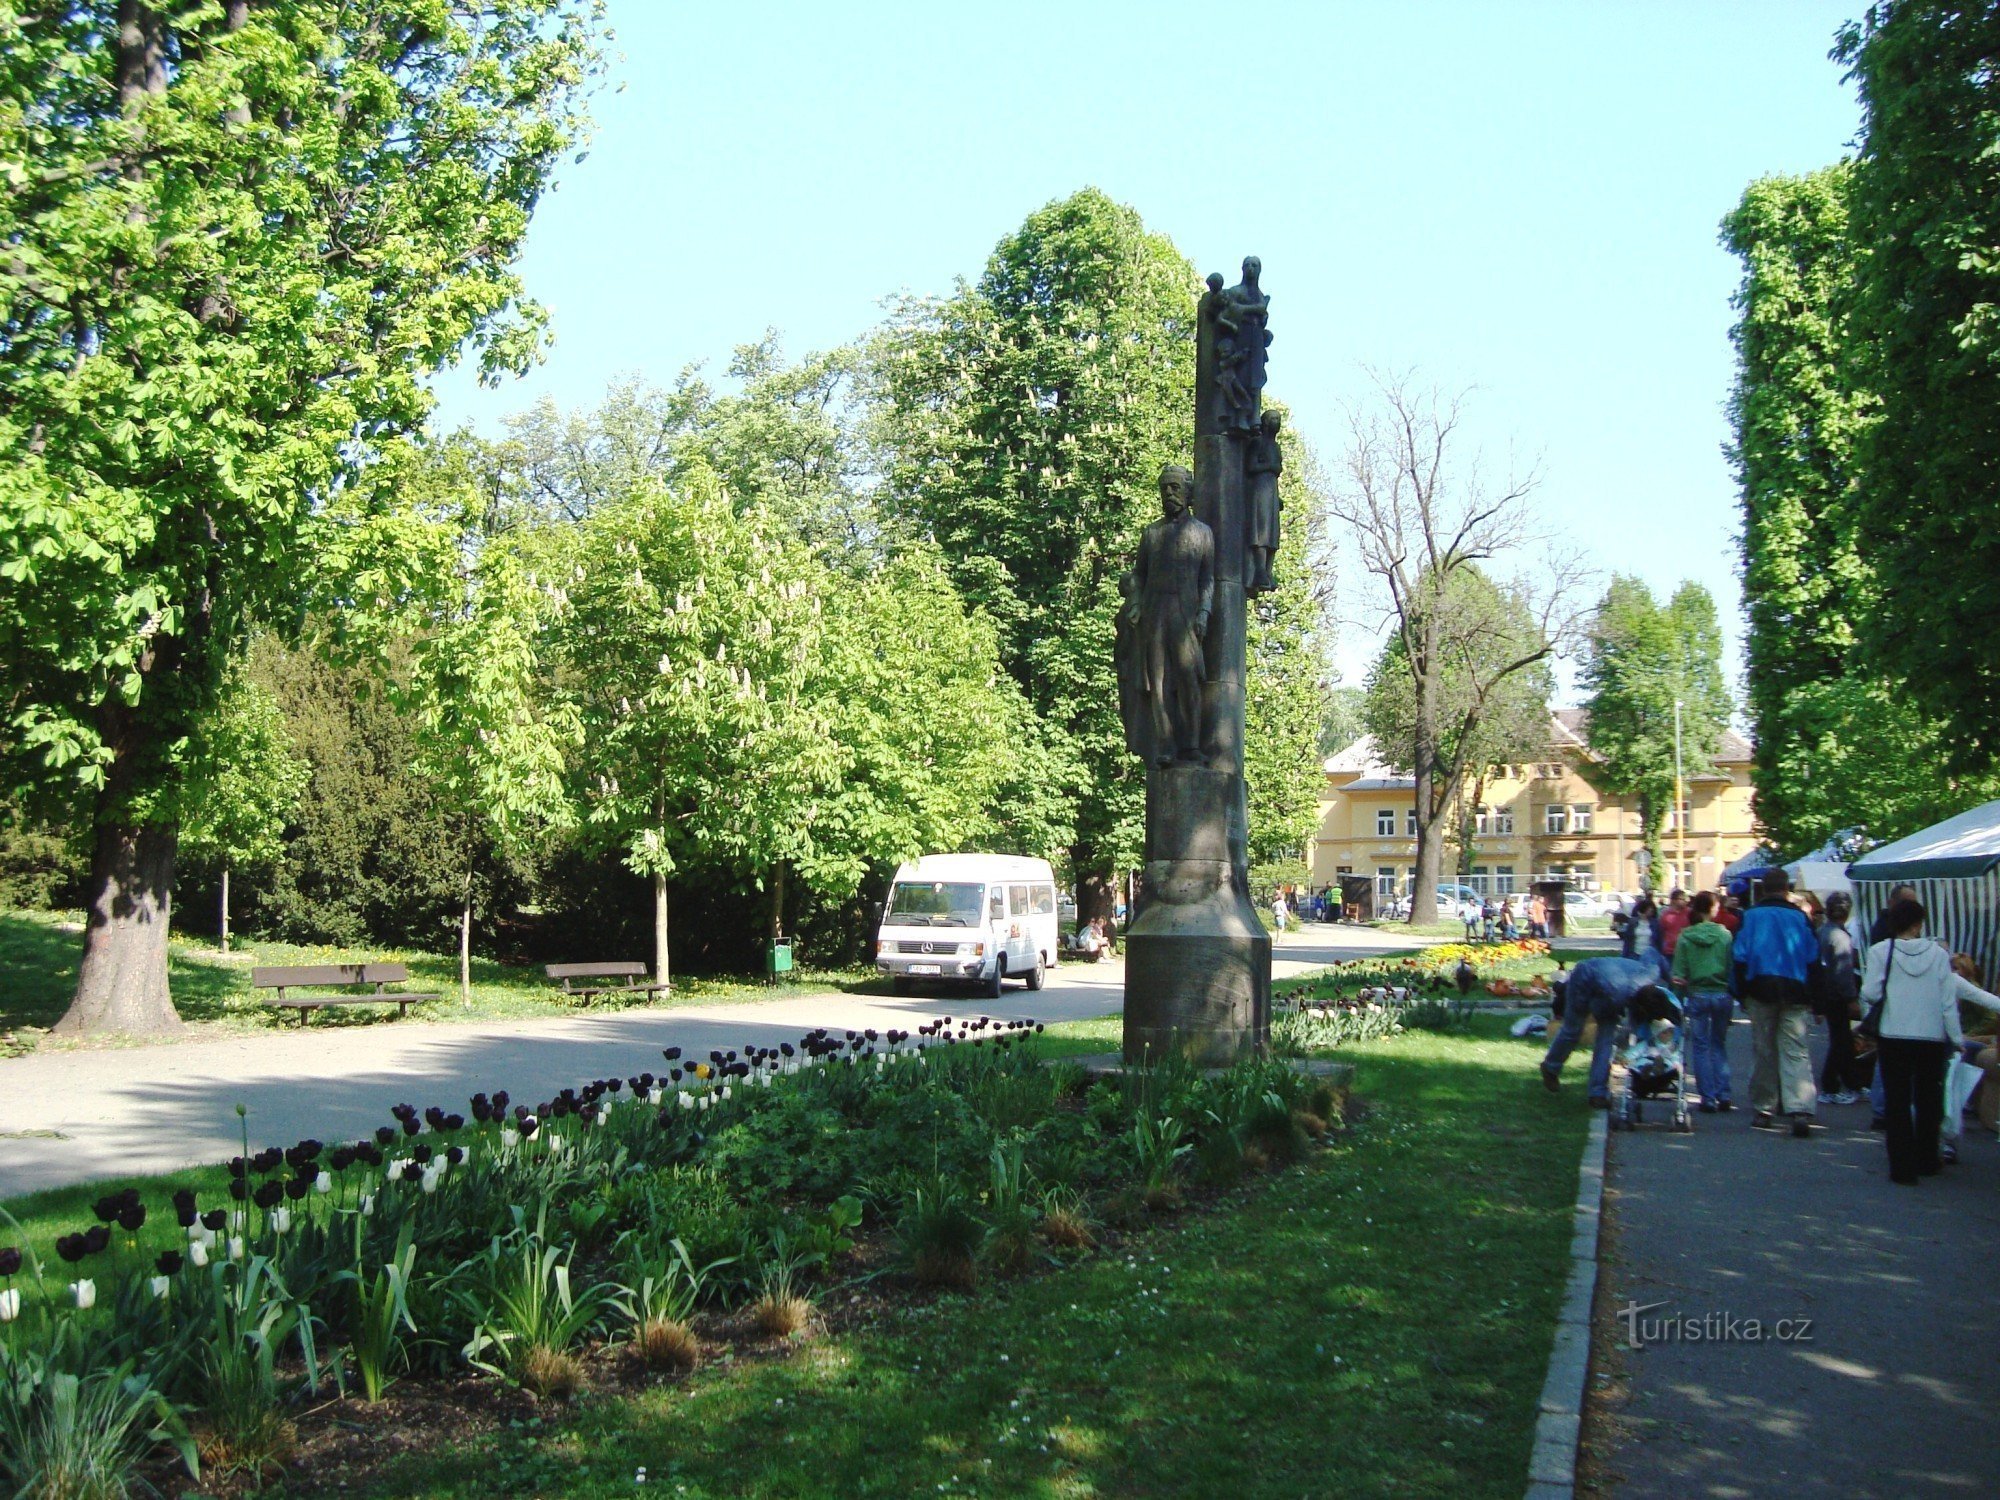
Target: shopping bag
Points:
(1960, 1079)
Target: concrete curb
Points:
(1552, 1465)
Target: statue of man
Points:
(1263, 462)
(1173, 587)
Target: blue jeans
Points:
(1708, 1017)
(1599, 989)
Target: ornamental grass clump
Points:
(940, 1235)
(1012, 1223)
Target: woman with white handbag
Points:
(1911, 993)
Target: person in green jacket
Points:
(1701, 971)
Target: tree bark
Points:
(660, 973)
(465, 945)
(778, 902)
(121, 983)
(1431, 809)
(225, 908)
(1097, 896)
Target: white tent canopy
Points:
(1955, 867)
(1822, 877)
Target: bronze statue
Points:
(1239, 339)
(1263, 462)
(1170, 592)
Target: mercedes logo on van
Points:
(930, 947)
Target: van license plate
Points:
(926, 968)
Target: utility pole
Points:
(1680, 806)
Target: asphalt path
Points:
(75, 1116)
(1884, 1388)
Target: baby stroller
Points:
(1652, 1059)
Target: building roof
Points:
(1569, 729)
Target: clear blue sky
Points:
(1518, 197)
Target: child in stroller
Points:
(1653, 1060)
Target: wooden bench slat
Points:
(592, 971)
(284, 976)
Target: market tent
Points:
(1821, 877)
(1955, 867)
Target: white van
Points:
(969, 918)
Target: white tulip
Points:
(686, 1099)
(159, 1285)
(510, 1140)
(655, 1096)
(395, 1172)
(10, 1305)
(236, 1247)
(198, 1252)
(85, 1294)
(725, 1091)
(281, 1219)
(323, 1183)
(430, 1179)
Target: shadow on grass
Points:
(38, 959)
(1374, 1321)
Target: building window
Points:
(1482, 820)
(1503, 879)
(1579, 817)
(1503, 820)
(1410, 823)
(1385, 822)
(1555, 818)
(1481, 880)
(1385, 882)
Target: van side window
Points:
(1017, 896)
(1045, 900)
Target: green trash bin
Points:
(778, 960)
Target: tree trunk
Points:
(1097, 896)
(1431, 808)
(465, 946)
(121, 983)
(778, 902)
(225, 908)
(660, 973)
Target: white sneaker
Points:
(1845, 1096)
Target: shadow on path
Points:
(1891, 1396)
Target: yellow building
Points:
(1535, 822)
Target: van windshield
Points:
(936, 903)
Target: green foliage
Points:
(1644, 659)
(1837, 746)
(1026, 419)
(241, 241)
(246, 780)
(519, 1291)
(381, 1317)
(65, 1436)
(1924, 331)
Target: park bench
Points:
(583, 994)
(350, 976)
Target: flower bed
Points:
(1432, 989)
(522, 1247)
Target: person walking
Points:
(1879, 931)
(1673, 922)
(1600, 990)
(1913, 980)
(1774, 953)
(1838, 1001)
(1280, 912)
(1538, 916)
(1641, 937)
(1701, 972)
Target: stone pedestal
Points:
(1197, 960)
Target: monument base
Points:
(1197, 960)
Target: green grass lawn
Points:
(1374, 1321)
(39, 951)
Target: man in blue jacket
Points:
(1774, 954)
(1600, 990)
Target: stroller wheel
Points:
(1683, 1124)
(1636, 1114)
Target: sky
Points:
(1516, 199)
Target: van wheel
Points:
(1037, 974)
(999, 977)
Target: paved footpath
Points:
(1894, 1395)
(78, 1115)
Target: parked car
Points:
(970, 918)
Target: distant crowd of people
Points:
(1889, 1000)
